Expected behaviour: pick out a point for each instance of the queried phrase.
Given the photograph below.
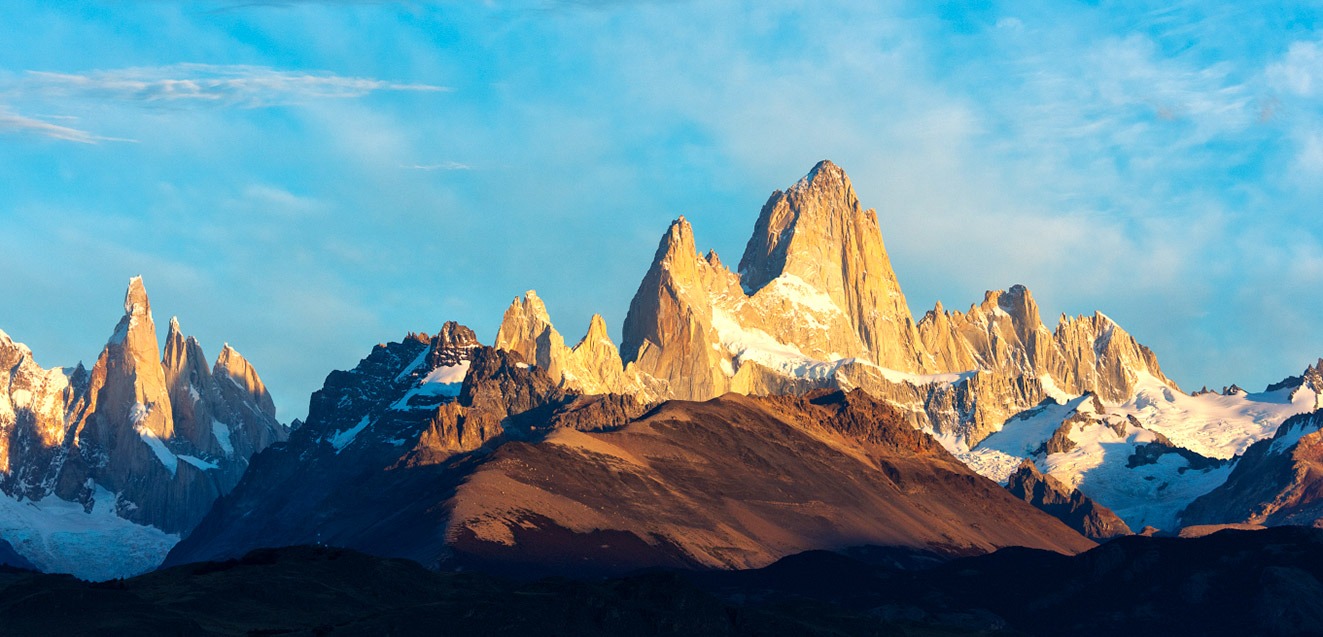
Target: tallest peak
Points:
(135, 299)
(824, 173)
(825, 166)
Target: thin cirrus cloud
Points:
(11, 122)
(176, 86)
(206, 84)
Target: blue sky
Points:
(305, 179)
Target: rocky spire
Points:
(1097, 355)
(232, 365)
(526, 328)
(594, 366)
(191, 387)
(668, 331)
(132, 383)
(818, 232)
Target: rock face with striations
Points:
(1076, 510)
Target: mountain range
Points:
(791, 404)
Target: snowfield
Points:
(58, 536)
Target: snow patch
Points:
(417, 361)
(137, 414)
(222, 433)
(1291, 437)
(447, 381)
(447, 375)
(341, 439)
(1099, 463)
(199, 462)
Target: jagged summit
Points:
(593, 366)
(816, 304)
(677, 243)
(454, 335)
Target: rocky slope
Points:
(734, 482)
(498, 467)
(111, 465)
(1076, 510)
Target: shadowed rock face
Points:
(509, 472)
(382, 451)
(1077, 511)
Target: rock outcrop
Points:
(383, 441)
(33, 404)
(1076, 510)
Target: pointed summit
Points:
(593, 366)
(818, 233)
(668, 331)
(176, 355)
(596, 330)
(135, 299)
(231, 364)
(677, 246)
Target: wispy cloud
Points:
(203, 85)
(11, 122)
(445, 165)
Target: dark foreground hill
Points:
(1229, 583)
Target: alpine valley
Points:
(790, 404)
